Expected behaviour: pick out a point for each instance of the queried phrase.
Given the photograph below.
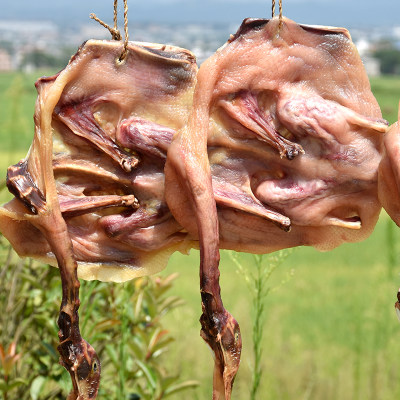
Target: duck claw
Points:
(222, 333)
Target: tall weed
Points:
(260, 287)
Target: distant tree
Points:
(41, 59)
(8, 46)
(44, 60)
(389, 57)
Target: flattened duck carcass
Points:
(91, 190)
(293, 135)
(282, 148)
(111, 125)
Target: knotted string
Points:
(115, 33)
(280, 10)
(116, 16)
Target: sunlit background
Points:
(39, 33)
(329, 327)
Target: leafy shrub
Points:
(122, 321)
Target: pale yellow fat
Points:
(152, 263)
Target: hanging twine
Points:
(116, 16)
(115, 33)
(125, 51)
(280, 10)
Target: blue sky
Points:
(330, 12)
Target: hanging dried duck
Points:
(102, 132)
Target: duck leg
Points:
(218, 327)
(77, 356)
(188, 174)
(397, 304)
(221, 332)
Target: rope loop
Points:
(115, 33)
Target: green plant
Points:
(257, 282)
(140, 341)
(123, 321)
(20, 301)
(8, 359)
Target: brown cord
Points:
(115, 33)
(125, 51)
(116, 15)
(280, 11)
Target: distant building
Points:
(5, 61)
(372, 66)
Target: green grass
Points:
(387, 92)
(17, 101)
(17, 104)
(330, 332)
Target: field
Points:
(330, 329)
